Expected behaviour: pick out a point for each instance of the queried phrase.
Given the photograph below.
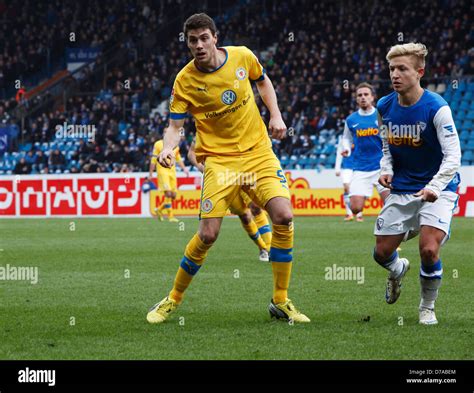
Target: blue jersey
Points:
(367, 151)
(413, 141)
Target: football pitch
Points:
(97, 278)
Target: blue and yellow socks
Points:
(281, 257)
(194, 256)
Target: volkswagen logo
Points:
(228, 97)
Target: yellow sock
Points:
(281, 258)
(264, 228)
(252, 230)
(167, 207)
(194, 256)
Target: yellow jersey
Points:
(157, 148)
(222, 103)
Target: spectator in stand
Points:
(22, 167)
(57, 161)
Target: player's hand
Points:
(200, 168)
(167, 158)
(186, 170)
(338, 173)
(386, 181)
(345, 153)
(277, 127)
(427, 195)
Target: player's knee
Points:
(246, 218)
(429, 253)
(208, 235)
(255, 209)
(283, 217)
(382, 252)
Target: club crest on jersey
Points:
(228, 97)
(379, 223)
(421, 126)
(240, 73)
(206, 206)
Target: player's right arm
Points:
(337, 166)
(386, 167)
(151, 169)
(346, 141)
(170, 141)
(192, 157)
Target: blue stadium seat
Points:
(467, 125)
(284, 160)
(292, 163)
(470, 145)
(464, 105)
(468, 155)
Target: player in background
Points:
(361, 129)
(343, 168)
(421, 158)
(215, 88)
(239, 207)
(166, 180)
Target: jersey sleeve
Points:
(450, 146)
(178, 104)
(347, 139)
(338, 163)
(386, 163)
(256, 70)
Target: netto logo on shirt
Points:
(228, 97)
(367, 132)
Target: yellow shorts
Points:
(240, 203)
(167, 180)
(257, 171)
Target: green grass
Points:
(82, 275)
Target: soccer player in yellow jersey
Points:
(240, 207)
(215, 88)
(166, 180)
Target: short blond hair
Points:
(416, 50)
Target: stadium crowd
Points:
(315, 54)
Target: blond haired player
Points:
(421, 158)
(240, 207)
(166, 180)
(215, 88)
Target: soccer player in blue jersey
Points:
(421, 158)
(361, 129)
(343, 168)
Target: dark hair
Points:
(367, 85)
(199, 21)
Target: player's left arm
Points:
(276, 125)
(386, 164)
(451, 148)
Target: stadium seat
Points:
(469, 145)
(468, 155)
